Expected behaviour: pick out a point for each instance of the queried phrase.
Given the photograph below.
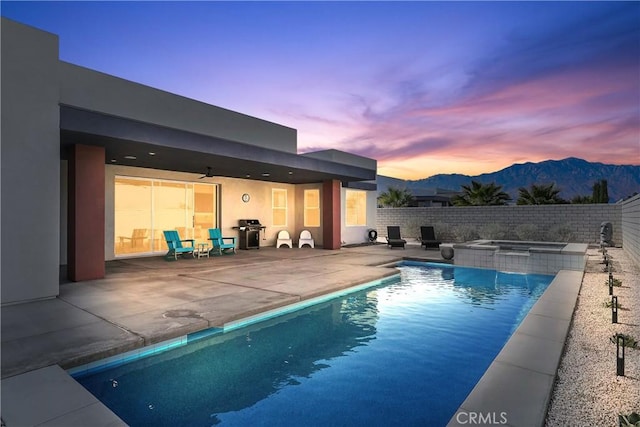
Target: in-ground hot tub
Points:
(521, 256)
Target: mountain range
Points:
(573, 176)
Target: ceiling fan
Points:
(209, 173)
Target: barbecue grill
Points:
(249, 230)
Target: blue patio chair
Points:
(218, 242)
(175, 245)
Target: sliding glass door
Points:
(204, 217)
(144, 208)
(132, 216)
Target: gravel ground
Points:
(587, 391)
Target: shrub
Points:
(528, 232)
(629, 341)
(412, 229)
(559, 233)
(616, 282)
(629, 420)
(444, 232)
(493, 232)
(465, 232)
(609, 304)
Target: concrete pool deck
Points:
(148, 300)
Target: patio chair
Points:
(305, 239)
(394, 239)
(218, 242)
(428, 237)
(175, 245)
(284, 239)
(138, 236)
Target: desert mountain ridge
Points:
(574, 177)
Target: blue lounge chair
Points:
(175, 245)
(218, 242)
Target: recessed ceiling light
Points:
(266, 174)
(130, 157)
(248, 176)
(113, 160)
(290, 173)
(151, 153)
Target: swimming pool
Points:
(405, 353)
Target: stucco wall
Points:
(30, 172)
(631, 228)
(358, 234)
(344, 158)
(95, 91)
(577, 223)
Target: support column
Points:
(86, 218)
(331, 217)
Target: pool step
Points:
(511, 253)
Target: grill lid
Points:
(249, 223)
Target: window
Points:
(132, 216)
(279, 207)
(312, 208)
(146, 207)
(356, 208)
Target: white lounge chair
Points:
(305, 239)
(284, 239)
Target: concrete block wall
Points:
(631, 228)
(575, 223)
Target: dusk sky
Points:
(423, 87)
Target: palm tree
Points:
(540, 195)
(479, 194)
(395, 198)
(582, 200)
(600, 192)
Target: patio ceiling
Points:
(130, 143)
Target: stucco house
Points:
(95, 167)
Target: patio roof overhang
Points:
(129, 142)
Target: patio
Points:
(148, 300)
(140, 300)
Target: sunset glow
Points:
(423, 87)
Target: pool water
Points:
(406, 353)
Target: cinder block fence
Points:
(631, 228)
(571, 222)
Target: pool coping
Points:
(516, 388)
(163, 346)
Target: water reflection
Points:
(242, 368)
(486, 287)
